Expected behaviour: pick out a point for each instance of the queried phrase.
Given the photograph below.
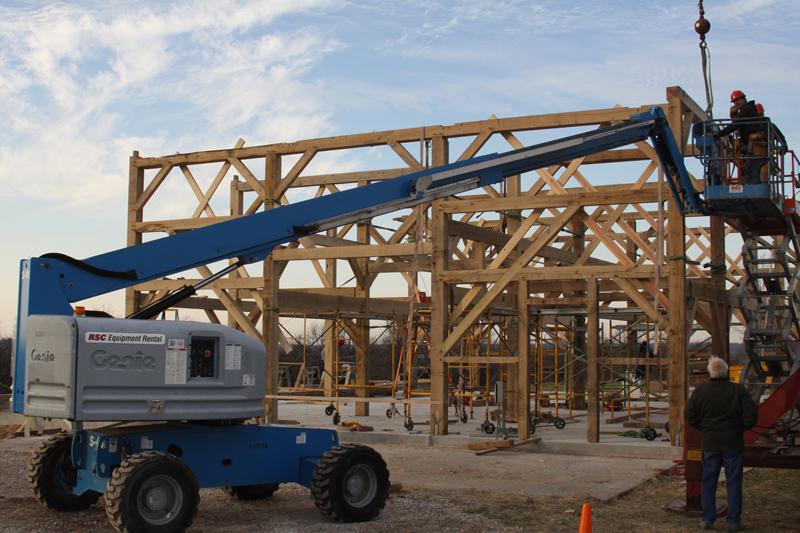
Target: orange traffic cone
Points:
(586, 519)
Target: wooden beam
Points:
(520, 263)
(565, 273)
(462, 129)
(351, 251)
(677, 328)
(603, 196)
(592, 358)
(294, 173)
(438, 333)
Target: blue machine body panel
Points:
(218, 455)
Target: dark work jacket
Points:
(746, 113)
(722, 411)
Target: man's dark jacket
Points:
(722, 411)
(748, 114)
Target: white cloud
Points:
(70, 93)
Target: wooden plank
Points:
(514, 444)
(489, 444)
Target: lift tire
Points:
(649, 433)
(488, 428)
(351, 483)
(464, 417)
(252, 492)
(389, 413)
(329, 410)
(50, 475)
(336, 418)
(559, 423)
(152, 492)
(408, 424)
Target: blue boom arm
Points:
(49, 283)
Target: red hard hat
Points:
(735, 95)
(760, 109)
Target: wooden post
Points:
(579, 323)
(330, 340)
(362, 327)
(523, 409)
(269, 311)
(439, 309)
(677, 326)
(592, 361)
(720, 316)
(440, 302)
(236, 199)
(514, 333)
(135, 189)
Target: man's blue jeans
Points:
(712, 464)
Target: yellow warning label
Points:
(694, 455)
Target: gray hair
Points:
(717, 368)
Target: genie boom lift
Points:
(179, 393)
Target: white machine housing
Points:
(101, 369)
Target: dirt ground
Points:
(444, 489)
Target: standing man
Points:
(745, 121)
(722, 411)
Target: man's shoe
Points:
(708, 526)
(734, 527)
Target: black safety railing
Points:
(751, 152)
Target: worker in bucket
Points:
(722, 411)
(745, 120)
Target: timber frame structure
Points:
(555, 242)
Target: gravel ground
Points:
(549, 501)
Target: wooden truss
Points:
(589, 234)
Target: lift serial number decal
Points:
(124, 338)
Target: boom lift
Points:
(754, 192)
(193, 385)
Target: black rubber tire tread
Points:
(41, 476)
(252, 492)
(125, 475)
(335, 464)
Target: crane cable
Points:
(702, 26)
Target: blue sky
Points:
(83, 84)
